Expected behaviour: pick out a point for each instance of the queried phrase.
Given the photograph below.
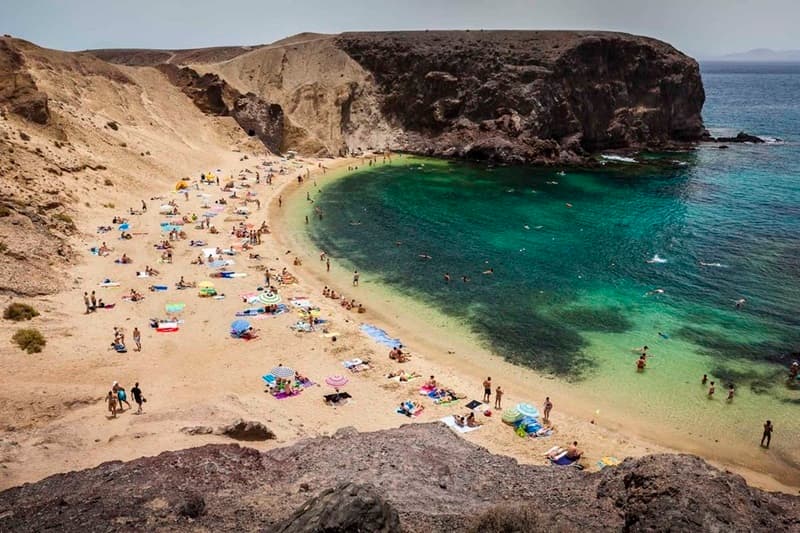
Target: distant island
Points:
(761, 55)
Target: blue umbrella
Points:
(240, 326)
(527, 409)
(124, 227)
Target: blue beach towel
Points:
(380, 336)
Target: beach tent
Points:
(181, 185)
(239, 326)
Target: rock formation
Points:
(214, 96)
(422, 474)
(511, 96)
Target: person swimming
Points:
(740, 303)
(663, 335)
(654, 291)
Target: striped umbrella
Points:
(283, 372)
(527, 409)
(512, 415)
(269, 298)
(336, 381)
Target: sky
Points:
(701, 28)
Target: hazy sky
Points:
(699, 27)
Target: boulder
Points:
(197, 430)
(348, 508)
(250, 430)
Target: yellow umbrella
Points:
(205, 285)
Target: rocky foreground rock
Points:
(420, 477)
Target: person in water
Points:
(740, 303)
(711, 390)
(704, 380)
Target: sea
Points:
(588, 267)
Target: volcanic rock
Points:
(251, 430)
(391, 471)
(347, 508)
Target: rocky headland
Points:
(419, 477)
(537, 97)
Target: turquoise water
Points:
(571, 289)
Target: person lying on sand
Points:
(199, 260)
(125, 260)
(459, 420)
(471, 421)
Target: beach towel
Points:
(142, 275)
(473, 404)
(107, 306)
(356, 365)
(120, 348)
(380, 336)
(282, 395)
(158, 288)
(300, 302)
(109, 283)
(409, 410)
(607, 461)
(450, 421)
(562, 460)
(167, 327)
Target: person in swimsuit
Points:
(711, 390)
(768, 428)
(111, 400)
(498, 396)
(487, 390)
(137, 397)
(548, 406)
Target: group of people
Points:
(397, 354)
(350, 304)
(117, 396)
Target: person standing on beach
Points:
(768, 428)
(144, 207)
(137, 339)
(498, 396)
(93, 298)
(711, 390)
(87, 302)
(137, 397)
(328, 264)
(280, 201)
(355, 278)
(111, 400)
(548, 406)
(487, 390)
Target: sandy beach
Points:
(52, 408)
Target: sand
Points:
(52, 407)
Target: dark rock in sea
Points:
(349, 507)
(741, 137)
(251, 430)
(389, 475)
(723, 147)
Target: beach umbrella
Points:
(240, 326)
(527, 409)
(511, 415)
(174, 308)
(282, 372)
(269, 298)
(124, 226)
(336, 381)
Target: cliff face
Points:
(420, 477)
(511, 96)
(530, 96)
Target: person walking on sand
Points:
(711, 390)
(93, 298)
(548, 406)
(768, 428)
(355, 278)
(328, 264)
(487, 390)
(137, 397)
(137, 339)
(498, 396)
(87, 303)
(111, 400)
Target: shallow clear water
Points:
(570, 293)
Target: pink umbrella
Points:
(336, 381)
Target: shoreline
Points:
(201, 376)
(425, 330)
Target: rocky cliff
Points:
(511, 96)
(420, 477)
